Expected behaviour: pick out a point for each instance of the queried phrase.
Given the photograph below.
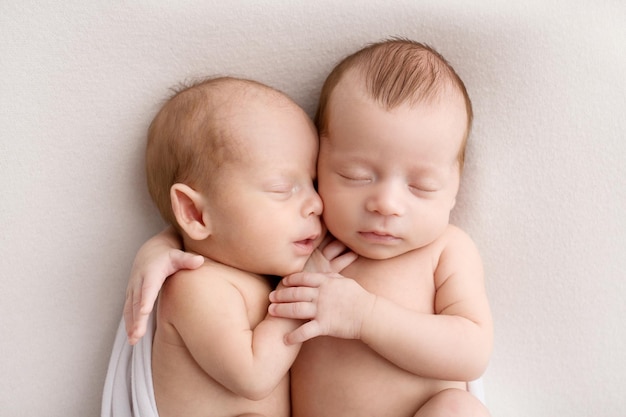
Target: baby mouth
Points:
(378, 236)
(308, 243)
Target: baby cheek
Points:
(339, 212)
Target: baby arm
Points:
(452, 344)
(215, 320)
(157, 259)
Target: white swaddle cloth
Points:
(477, 389)
(128, 389)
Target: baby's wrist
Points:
(367, 308)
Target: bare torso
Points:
(183, 388)
(343, 378)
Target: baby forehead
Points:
(225, 101)
(269, 133)
(396, 134)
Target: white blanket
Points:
(477, 389)
(128, 390)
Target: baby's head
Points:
(230, 164)
(393, 73)
(393, 120)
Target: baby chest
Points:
(406, 280)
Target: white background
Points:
(544, 189)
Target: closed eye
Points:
(281, 191)
(424, 188)
(355, 177)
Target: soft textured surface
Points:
(544, 189)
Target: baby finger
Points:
(298, 310)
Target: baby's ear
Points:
(188, 206)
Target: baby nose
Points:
(386, 200)
(313, 204)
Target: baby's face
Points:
(267, 214)
(389, 179)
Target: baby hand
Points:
(330, 256)
(153, 264)
(335, 305)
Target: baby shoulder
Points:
(455, 238)
(210, 281)
(459, 256)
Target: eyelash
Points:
(365, 178)
(416, 189)
(282, 190)
(354, 177)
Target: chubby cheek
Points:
(429, 226)
(339, 215)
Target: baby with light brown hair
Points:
(231, 165)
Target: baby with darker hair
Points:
(409, 320)
(400, 330)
